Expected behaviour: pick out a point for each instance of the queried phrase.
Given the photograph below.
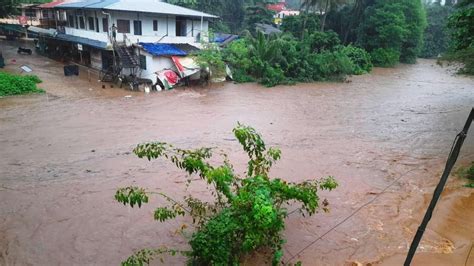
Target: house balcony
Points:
(103, 37)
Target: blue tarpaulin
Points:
(162, 49)
(223, 39)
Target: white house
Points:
(97, 31)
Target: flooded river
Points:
(63, 155)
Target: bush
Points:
(248, 212)
(323, 41)
(385, 57)
(273, 60)
(211, 57)
(465, 57)
(11, 84)
(237, 55)
(360, 59)
(272, 76)
(330, 66)
(33, 78)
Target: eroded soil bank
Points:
(63, 154)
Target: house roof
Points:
(28, 5)
(81, 40)
(162, 49)
(90, 4)
(52, 4)
(276, 7)
(39, 30)
(156, 6)
(266, 28)
(224, 39)
(145, 6)
(187, 48)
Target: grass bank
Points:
(12, 84)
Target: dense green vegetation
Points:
(436, 37)
(461, 24)
(248, 212)
(273, 60)
(349, 38)
(11, 84)
(396, 27)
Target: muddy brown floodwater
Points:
(65, 153)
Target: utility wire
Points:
(350, 216)
(454, 151)
(452, 158)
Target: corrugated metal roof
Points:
(79, 4)
(102, 4)
(156, 6)
(51, 4)
(146, 6)
(39, 30)
(266, 28)
(162, 49)
(88, 4)
(188, 48)
(81, 40)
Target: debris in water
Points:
(128, 96)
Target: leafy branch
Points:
(247, 214)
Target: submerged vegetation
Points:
(349, 39)
(273, 60)
(468, 173)
(11, 84)
(248, 212)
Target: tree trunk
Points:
(304, 22)
(326, 8)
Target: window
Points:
(155, 25)
(180, 26)
(90, 20)
(30, 13)
(143, 62)
(123, 26)
(97, 29)
(105, 25)
(45, 13)
(70, 21)
(82, 23)
(137, 27)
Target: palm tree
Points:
(324, 7)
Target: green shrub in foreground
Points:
(11, 84)
(248, 212)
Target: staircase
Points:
(128, 59)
